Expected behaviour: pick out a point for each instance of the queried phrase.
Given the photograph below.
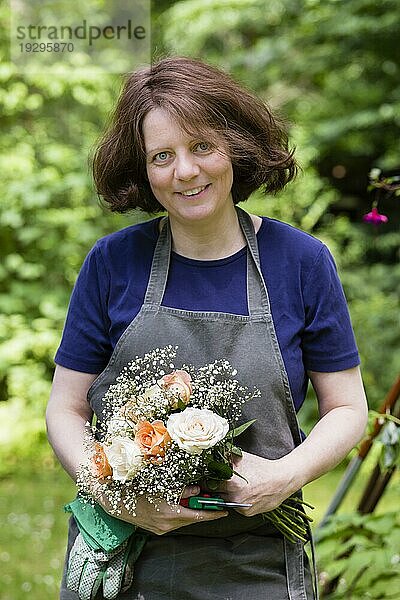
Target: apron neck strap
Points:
(159, 266)
(257, 296)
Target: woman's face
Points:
(189, 176)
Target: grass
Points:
(33, 532)
(34, 526)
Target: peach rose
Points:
(152, 439)
(179, 383)
(100, 466)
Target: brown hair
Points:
(203, 100)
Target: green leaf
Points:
(212, 484)
(220, 469)
(385, 586)
(337, 568)
(237, 451)
(382, 524)
(239, 430)
(181, 404)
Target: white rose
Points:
(196, 429)
(125, 458)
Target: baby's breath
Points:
(138, 395)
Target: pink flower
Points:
(178, 382)
(374, 217)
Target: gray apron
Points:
(236, 556)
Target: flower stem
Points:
(291, 519)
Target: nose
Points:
(186, 167)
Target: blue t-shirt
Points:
(307, 301)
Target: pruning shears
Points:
(208, 502)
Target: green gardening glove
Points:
(104, 552)
(100, 530)
(90, 569)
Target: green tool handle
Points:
(194, 502)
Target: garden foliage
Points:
(362, 553)
(332, 68)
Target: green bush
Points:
(360, 552)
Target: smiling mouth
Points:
(195, 191)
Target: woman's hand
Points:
(166, 518)
(343, 412)
(267, 485)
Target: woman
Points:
(218, 283)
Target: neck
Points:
(214, 239)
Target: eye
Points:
(161, 156)
(203, 146)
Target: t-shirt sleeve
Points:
(85, 345)
(328, 338)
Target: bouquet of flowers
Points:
(166, 428)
